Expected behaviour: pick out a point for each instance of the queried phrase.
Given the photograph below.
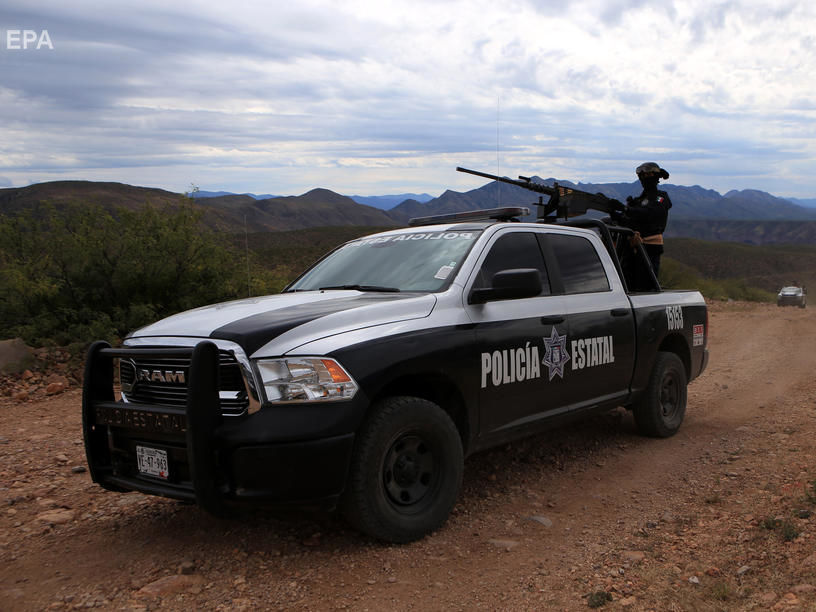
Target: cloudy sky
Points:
(373, 97)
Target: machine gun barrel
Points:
(564, 201)
(524, 182)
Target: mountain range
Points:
(742, 216)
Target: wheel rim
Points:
(408, 471)
(670, 396)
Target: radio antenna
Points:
(498, 160)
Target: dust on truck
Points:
(370, 378)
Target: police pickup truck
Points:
(366, 382)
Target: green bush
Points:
(677, 275)
(81, 273)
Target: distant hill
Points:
(383, 202)
(807, 202)
(748, 216)
(217, 194)
(687, 202)
(746, 232)
(16, 199)
(387, 202)
(317, 208)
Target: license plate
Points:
(152, 461)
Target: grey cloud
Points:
(613, 11)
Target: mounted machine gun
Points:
(563, 201)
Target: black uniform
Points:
(647, 214)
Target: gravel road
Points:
(720, 517)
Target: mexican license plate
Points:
(152, 461)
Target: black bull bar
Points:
(201, 417)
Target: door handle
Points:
(553, 320)
(620, 312)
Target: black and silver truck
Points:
(370, 378)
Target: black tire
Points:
(660, 411)
(406, 471)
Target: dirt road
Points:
(720, 517)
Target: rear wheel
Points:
(661, 409)
(406, 471)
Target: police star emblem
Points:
(556, 353)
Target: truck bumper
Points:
(214, 461)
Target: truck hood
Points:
(290, 319)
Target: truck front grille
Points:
(163, 381)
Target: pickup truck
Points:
(370, 378)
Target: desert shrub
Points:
(80, 272)
(677, 275)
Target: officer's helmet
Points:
(648, 169)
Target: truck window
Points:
(581, 268)
(407, 261)
(511, 251)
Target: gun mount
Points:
(563, 201)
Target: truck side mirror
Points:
(509, 285)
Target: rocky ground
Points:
(720, 517)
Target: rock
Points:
(507, 545)
(768, 598)
(15, 356)
(186, 568)
(57, 517)
(55, 387)
(20, 396)
(628, 601)
(79, 469)
(694, 580)
(541, 520)
(61, 458)
(633, 556)
(788, 600)
(170, 585)
(743, 570)
(803, 588)
(27, 375)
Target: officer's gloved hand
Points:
(616, 209)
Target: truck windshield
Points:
(408, 261)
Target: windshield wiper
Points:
(363, 288)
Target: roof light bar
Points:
(508, 213)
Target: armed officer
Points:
(647, 214)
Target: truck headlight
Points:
(305, 379)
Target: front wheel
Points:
(406, 471)
(660, 411)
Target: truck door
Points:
(516, 387)
(601, 341)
